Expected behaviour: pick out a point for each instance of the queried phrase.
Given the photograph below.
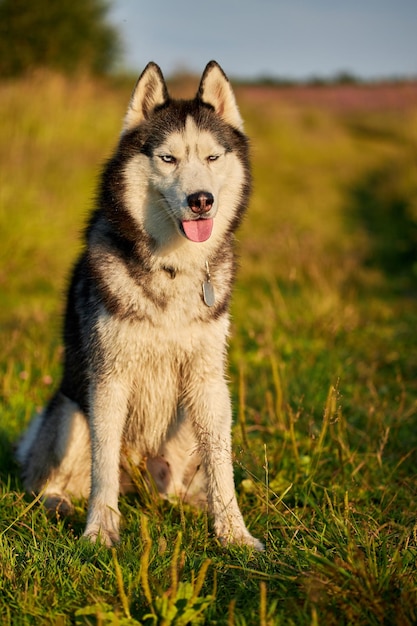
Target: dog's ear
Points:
(216, 90)
(150, 92)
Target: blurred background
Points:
(276, 40)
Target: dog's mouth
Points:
(198, 230)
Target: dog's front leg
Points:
(211, 417)
(108, 402)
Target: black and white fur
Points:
(145, 349)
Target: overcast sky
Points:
(278, 38)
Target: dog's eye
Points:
(168, 158)
(212, 157)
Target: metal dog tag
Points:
(208, 293)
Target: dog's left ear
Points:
(215, 89)
(150, 92)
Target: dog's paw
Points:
(102, 524)
(58, 504)
(241, 537)
(254, 543)
(96, 534)
(246, 540)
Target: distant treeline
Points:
(341, 78)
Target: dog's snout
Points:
(200, 202)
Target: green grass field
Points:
(323, 364)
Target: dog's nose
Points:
(200, 202)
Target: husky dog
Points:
(147, 317)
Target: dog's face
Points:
(192, 154)
(189, 170)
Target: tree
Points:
(64, 35)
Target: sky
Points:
(296, 39)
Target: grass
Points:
(322, 365)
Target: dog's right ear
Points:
(150, 92)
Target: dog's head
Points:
(187, 171)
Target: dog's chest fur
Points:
(152, 328)
(163, 292)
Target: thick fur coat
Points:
(147, 317)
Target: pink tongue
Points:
(198, 230)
